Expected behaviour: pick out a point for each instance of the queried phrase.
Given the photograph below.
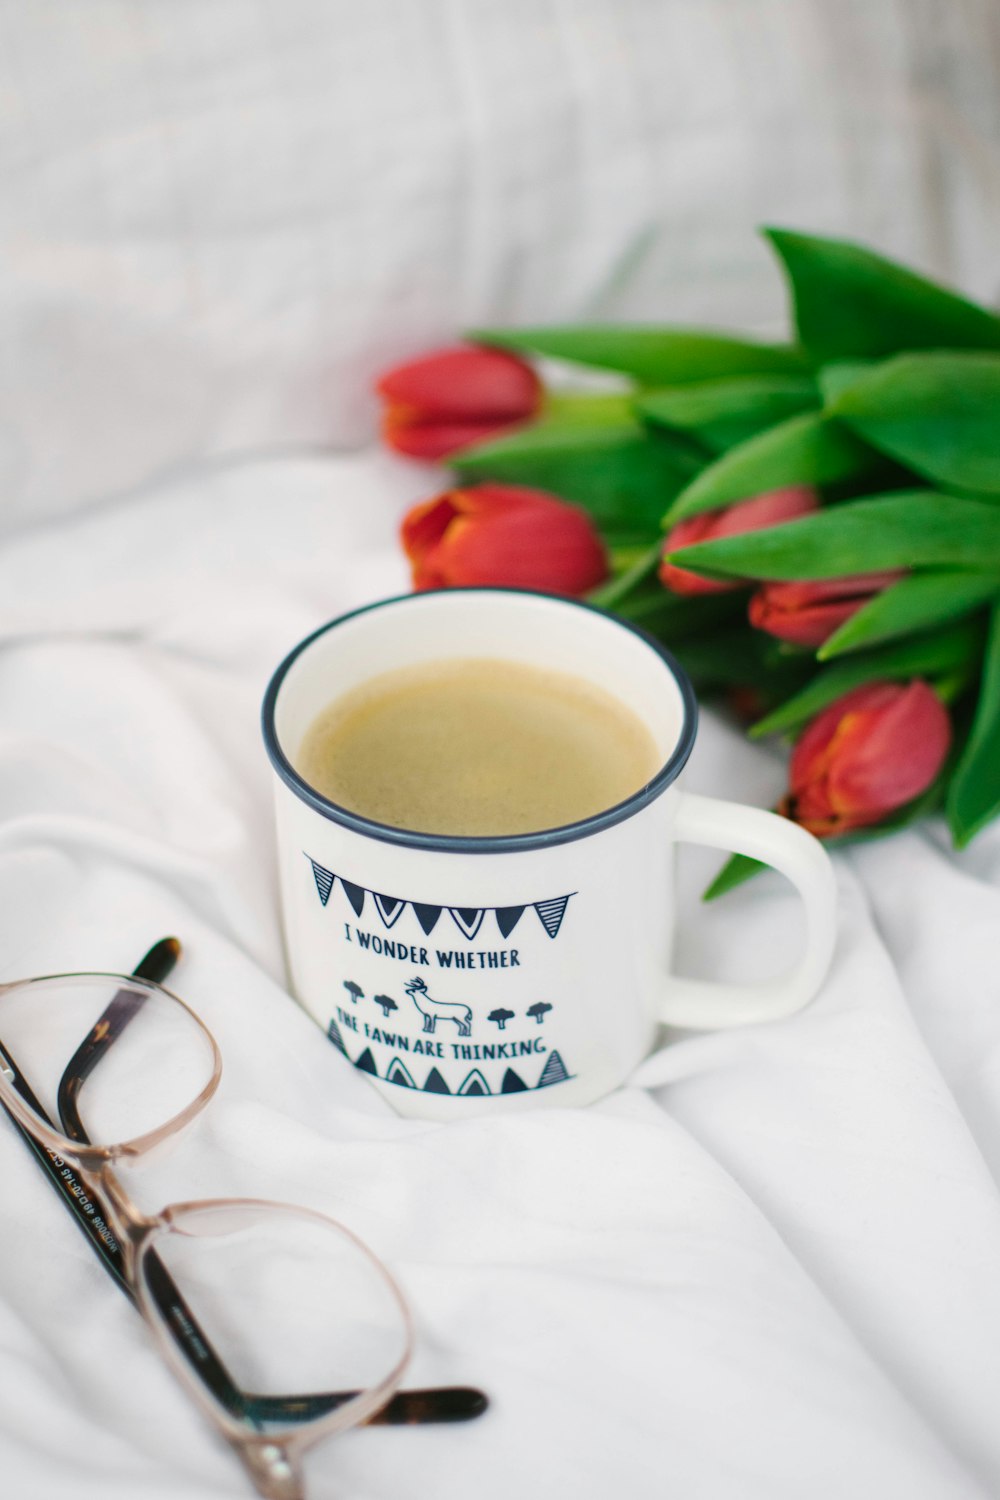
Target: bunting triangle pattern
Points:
(513, 1083)
(367, 1063)
(508, 918)
(389, 907)
(427, 916)
(333, 1032)
(324, 880)
(355, 895)
(435, 1083)
(468, 919)
(551, 913)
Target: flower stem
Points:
(612, 594)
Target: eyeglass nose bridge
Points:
(128, 1220)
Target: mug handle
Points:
(710, 1005)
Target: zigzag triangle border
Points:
(473, 1085)
(550, 912)
(468, 919)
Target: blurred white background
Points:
(219, 218)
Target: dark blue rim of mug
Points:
(507, 843)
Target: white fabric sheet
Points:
(775, 1274)
(219, 218)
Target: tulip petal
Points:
(770, 508)
(424, 526)
(802, 593)
(465, 384)
(808, 612)
(896, 749)
(505, 535)
(554, 548)
(690, 585)
(809, 625)
(417, 437)
(487, 499)
(869, 753)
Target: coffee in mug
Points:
(477, 747)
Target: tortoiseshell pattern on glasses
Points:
(111, 1230)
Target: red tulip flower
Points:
(769, 509)
(866, 755)
(447, 400)
(808, 613)
(503, 534)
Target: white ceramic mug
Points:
(466, 975)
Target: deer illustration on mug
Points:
(438, 1010)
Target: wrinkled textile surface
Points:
(772, 1274)
(219, 218)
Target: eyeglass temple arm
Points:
(438, 1404)
(155, 967)
(76, 1196)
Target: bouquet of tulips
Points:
(831, 510)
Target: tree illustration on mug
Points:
(539, 1010)
(500, 1016)
(354, 990)
(387, 1004)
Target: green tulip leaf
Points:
(592, 409)
(832, 379)
(912, 604)
(974, 794)
(850, 303)
(925, 655)
(651, 355)
(618, 471)
(551, 436)
(807, 449)
(737, 869)
(723, 413)
(937, 413)
(905, 529)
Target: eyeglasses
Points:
(247, 1299)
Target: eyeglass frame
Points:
(272, 1460)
